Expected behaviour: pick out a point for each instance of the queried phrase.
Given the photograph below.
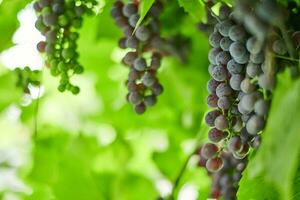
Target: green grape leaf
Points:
(277, 158)
(193, 7)
(145, 6)
(9, 21)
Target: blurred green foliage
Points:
(93, 146)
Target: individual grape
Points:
(212, 100)
(131, 86)
(214, 164)
(279, 47)
(255, 124)
(122, 43)
(121, 21)
(142, 33)
(248, 101)
(261, 107)
(223, 89)
(148, 79)
(266, 81)
(237, 124)
(222, 58)
(210, 68)
(212, 85)
(242, 60)
(129, 58)
(216, 135)
(221, 123)
(132, 42)
(211, 116)
(224, 103)
(234, 110)
(209, 150)
(135, 98)
(235, 144)
(253, 69)
(247, 86)
(256, 141)
(50, 19)
(242, 110)
(140, 64)
(155, 61)
(252, 45)
(225, 43)
(219, 73)
(237, 33)
(235, 81)
(224, 27)
(214, 39)
(150, 100)
(156, 9)
(245, 136)
(116, 10)
(257, 58)
(212, 55)
(75, 90)
(237, 50)
(224, 12)
(157, 89)
(129, 9)
(41, 46)
(140, 108)
(133, 20)
(234, 67)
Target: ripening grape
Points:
(135, 98)
(216, 135)
(148, 79)
(224, 103)
(209, 150)
(279, 47)
(211, 116)
(221, 123)
(129, 9)
(214, 164)
(130, 57)
(248, 101)
(235, 81)
(224, 27)
(212, 100)
(150, 100)
(261, 107)
(257, 58)
(255, 124)
(247, 86)
(224, 12)
(237, 50)
(237, 33)
(132, 42)
(157, 89)
(222, 58)
(142, 33)
(253, 70)
(212, 86)
(225, 43)
(155, 61)
(235, 144)
(234, 67)
(212, 55)
(223, 89)
(219, 73)
(140, 108)
(140, 64)
(214, 39)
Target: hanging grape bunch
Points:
(143, 84)
(58, 21)
(27, 77)
(224, 181)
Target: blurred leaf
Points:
(8, 20)
(193, 7)
(282, 134)
(145, 6)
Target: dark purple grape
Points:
(209, 150)
(234, 67)
(155, 61)
(248, 101)
(122, 43)
(133, 75)
(223, 89)
(253, 70)
(140, 64)
(116, 12)
(130, 57)
(212, 100)
(235, 144)
(247, 86)
(142, 33)
(214, 164)
(212, 86)
(237, 33)
(224, 27)
(140, 108)
(225, 43)
(216, 135)
(148, 79)
(245, 136)
(150, 100)
(221, 123)
(157, 89)
(132, 42)
(237, 50)
(224, 103)
(211, 116)
(224, 12)
(133, 20)
(222, 58)
(279, 47)
(219, 73)
(213, 54)
(135, 98)
(255, 124)
(129, 9)
(214, 39)
(235, 81)
(122, 23)
(256, 142)
(261, 107)
(132, 87)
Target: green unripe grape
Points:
(74, 36)
(63, 20)
(77, 23)
(46, 10)
(78, 69)
(62, 87)
(53, 63)
(62, 66)
(54, 71)
(68, 53)
(75, 90)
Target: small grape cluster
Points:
(224, 181)
(144, 58)
(26, 77)
(58, 21)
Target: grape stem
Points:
(287, 58)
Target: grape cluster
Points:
(225, 180)
(58, 21)
(144, 56)
(26, 77)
